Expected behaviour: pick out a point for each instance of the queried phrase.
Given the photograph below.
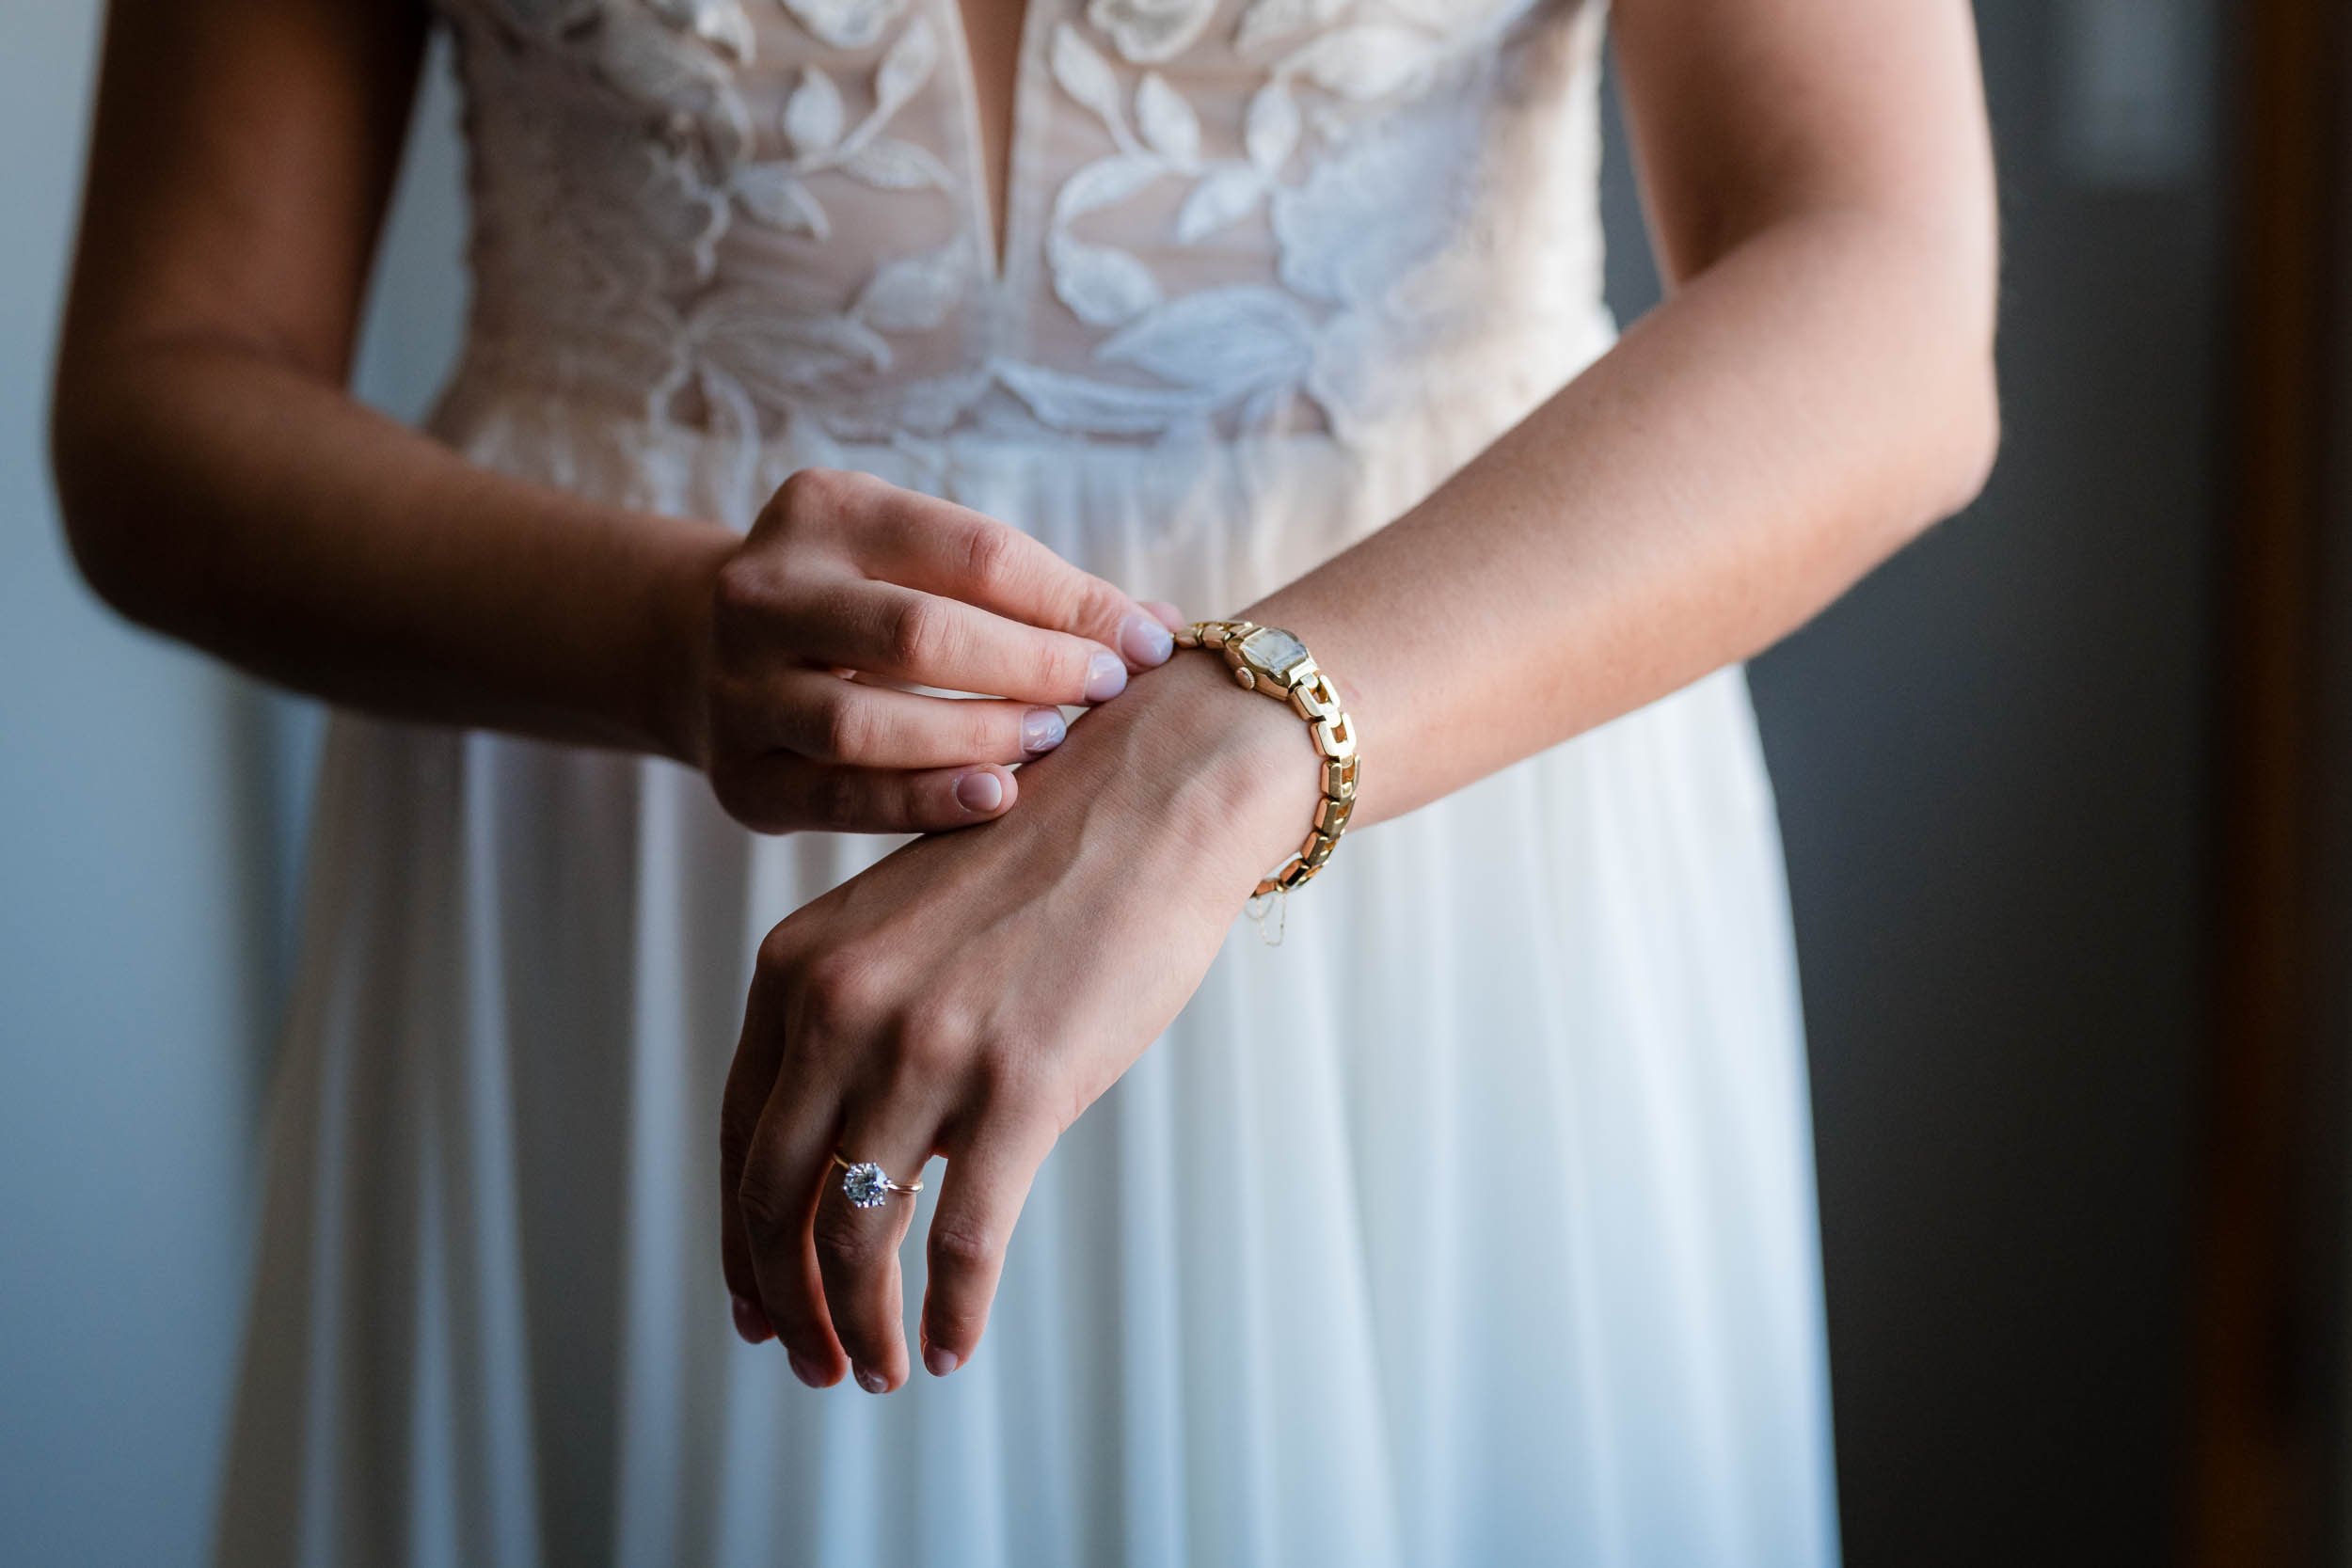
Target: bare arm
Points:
(1817, 388)
(218, 482)
(219, 485)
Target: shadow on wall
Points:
(1989, 761)
(151, 811)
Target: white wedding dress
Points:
(1471, 1224)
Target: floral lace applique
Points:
(628, 156)
(816, 138)
(1254, 346)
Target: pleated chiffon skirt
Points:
(1472, 1224)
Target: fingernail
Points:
(940, 1360)
(979, 792)
(1170, 617)
(870, 1380)
(751, 1323)
(1107, 677)
(1145, 640)
(1042, 730)
(803, 1370)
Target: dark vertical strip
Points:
(2257, 1483)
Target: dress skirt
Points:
(1471, 1223)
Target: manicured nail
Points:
(1107, 677)
(803, 1370)
(979, 792)
(1042, 730)
(870, 1380)
(1145, 640)
(751, 1323)
(940, 1360)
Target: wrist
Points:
(676, 705)
(1240, 773)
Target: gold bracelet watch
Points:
(1274, 661)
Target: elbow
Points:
(1946, 381)
(1967, 445)
(92, 540)
(85, 470)
(1967, 441)
(1933, 346)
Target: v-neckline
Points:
(997, 243)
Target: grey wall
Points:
(129, 964)
(150, 810)
(1989, 764)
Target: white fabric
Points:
(1473, 1224)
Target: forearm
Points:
(1745, 453)
(247, 506)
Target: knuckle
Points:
(742, 796)
(770, 1218)
(744, 592)
(992, 555)
(1098, 605)
(738, 1121)
(843, 802)
(1019, 1095)
(843, 723)
(1008, 1078)
(963, 1244)
(919, 634)
(741, 583)
(933, 1039)
(739, 1125)
(989, 729)
(839, 991)
(1062, 665)
(843, 1234)
(779, 952)
(814, 492)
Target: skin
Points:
(1817, 390)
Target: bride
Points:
(770, 757)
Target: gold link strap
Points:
(1314, 698)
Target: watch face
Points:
(1273, 648)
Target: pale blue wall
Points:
(148, 804)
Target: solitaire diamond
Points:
(863, 1182)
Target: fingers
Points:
(765, 1199)
(816, 714)
(904, 633)
(988, 1178)
(857, 1246)
(779, 793)
(949, 549)
(774, 1199)
(809, 1244)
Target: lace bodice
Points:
(1222, 216)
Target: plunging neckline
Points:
(996, 242)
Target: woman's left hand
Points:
(969, 995)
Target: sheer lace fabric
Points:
(736, 215)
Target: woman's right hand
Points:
(847, 584)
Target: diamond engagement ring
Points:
(866, 1184)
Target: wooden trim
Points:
(2259, 1487)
